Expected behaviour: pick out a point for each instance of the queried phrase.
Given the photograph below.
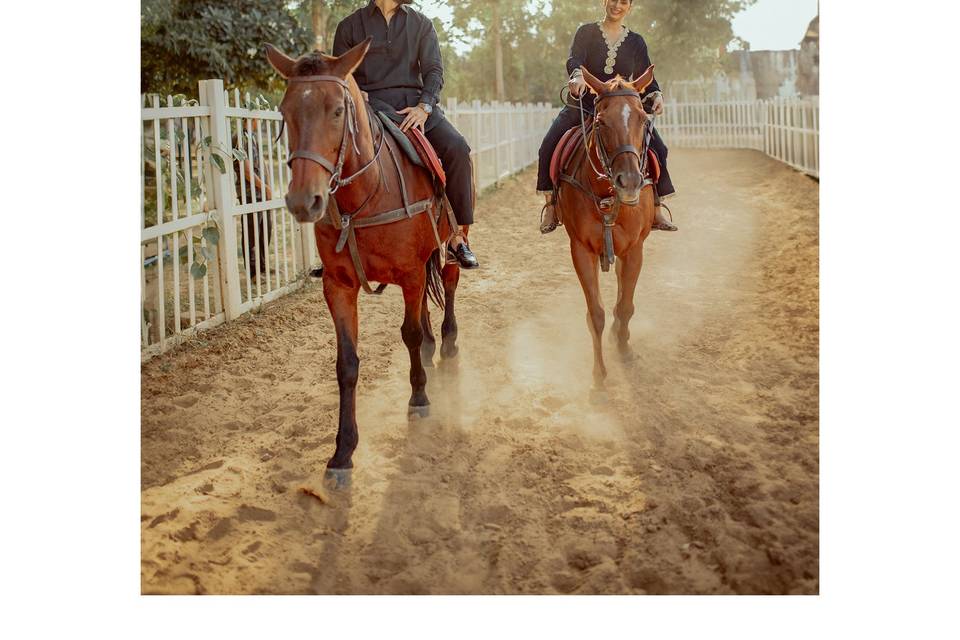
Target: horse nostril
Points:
(619, 181)
(318, 205)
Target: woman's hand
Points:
(657, 103)
(415, 118)
(577, 85)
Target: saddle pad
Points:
(428, 155)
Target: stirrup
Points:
(664, 226)
(547, 228)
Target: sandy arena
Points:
(698, 474)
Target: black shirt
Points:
(590, 50)
(403, 66)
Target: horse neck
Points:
(355, 194)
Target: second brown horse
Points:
(335, 149)
(612, 161)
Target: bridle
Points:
(608, 208)
(349, 131)
(607, 159)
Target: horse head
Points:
(319, 111)
(619, 130)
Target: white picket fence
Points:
(196, 222)
(787, 129)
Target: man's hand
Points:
(415, 118)
(657, 103)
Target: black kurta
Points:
(589, 49)
(403, 66)
(402, 69)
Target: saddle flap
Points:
(428, 155)
(402, 141)
(564, 149)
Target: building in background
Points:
(753, 75)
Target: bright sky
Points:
(768, 24)
(775, 24)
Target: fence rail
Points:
(787, 129)
(215, 238)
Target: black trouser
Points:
(570, 117)
(454, 153)
(453, 150)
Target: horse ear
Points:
(279, 61)
(644, 80)
(596, 84)
(349, 61)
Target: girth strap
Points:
(348, 237)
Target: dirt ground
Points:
(698, 474)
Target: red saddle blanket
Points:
(428, 155)
(574, 138)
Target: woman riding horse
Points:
(606, 49)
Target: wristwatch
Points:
(426, 107)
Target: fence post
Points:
(211, 95)
(496, 142)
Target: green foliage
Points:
(686, 39)
(184, 41)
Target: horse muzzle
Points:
(307, 206)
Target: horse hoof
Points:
(599, 396)
(337, 479)
(421, 411)
(628, 355)
(449, 352)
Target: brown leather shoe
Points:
(661, 222)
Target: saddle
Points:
(569, 143)
(416, 147)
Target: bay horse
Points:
(607, 204)
(339, 148)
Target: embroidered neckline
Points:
(612, 47)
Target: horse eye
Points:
(338, 112)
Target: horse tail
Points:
(435, 279)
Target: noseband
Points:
(349, 131)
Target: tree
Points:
(491, 24)
(184, 41)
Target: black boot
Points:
(463, 256)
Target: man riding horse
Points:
(401, 76)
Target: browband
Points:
(619, 92)
(340, 81)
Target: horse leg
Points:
(586, 264)
(429, 345)
(448, 330)
(342, 302)
(412, 333)
(628, 272)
